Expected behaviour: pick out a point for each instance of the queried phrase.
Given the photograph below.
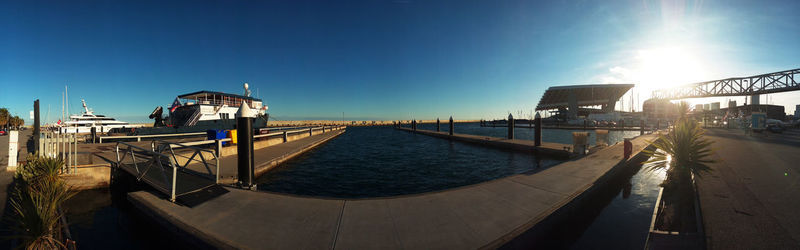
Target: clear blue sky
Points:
(377, 59)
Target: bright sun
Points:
(667, 67)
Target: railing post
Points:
(217, 160)
(174, 179)
(116, 149)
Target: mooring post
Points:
(510, 126)
(641, 127)
(244, 127)
(438, 127)
(538, 132)
(36, 122)
(451, 125)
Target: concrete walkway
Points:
(484, 215)
(752, 197)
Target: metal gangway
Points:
(172, 168)
(62, 146)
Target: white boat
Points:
(84, 123)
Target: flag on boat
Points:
(175, 104)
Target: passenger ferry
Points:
(84, 123)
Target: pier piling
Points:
(538, 132)
(510, 126)
(641, 127)
(451, 125)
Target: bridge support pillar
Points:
(572, 113)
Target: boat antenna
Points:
(85, 108)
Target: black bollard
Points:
(510, 126)
(538, 132)
(438, 126)
(94, 134)
(451, 125)
(36, 126)
(244, 147)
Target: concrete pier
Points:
(484, 215)
(556, 150)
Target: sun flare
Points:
(668, 67)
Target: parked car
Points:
(3, 132)
(774, 128)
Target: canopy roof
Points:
(586, 95)
(205, 94)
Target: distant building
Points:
(660, 109)
(797, 111)
(698, 107)
(715, 106)
(731, 104)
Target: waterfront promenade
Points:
(484, 215)
(750, 200)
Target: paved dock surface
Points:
(483, 215)
(752, 198)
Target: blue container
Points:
(217, 134)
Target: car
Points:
(775, 128)
(3, 132)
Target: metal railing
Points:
(63, 146)
(139, 137)
(161, 156)
(194, 151)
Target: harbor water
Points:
(370, 162)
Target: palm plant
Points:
(683, 153)
(36, 201)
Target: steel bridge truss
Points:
(740, 86)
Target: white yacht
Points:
(84, 123)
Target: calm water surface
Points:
(381, 161)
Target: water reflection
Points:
(616, 216)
